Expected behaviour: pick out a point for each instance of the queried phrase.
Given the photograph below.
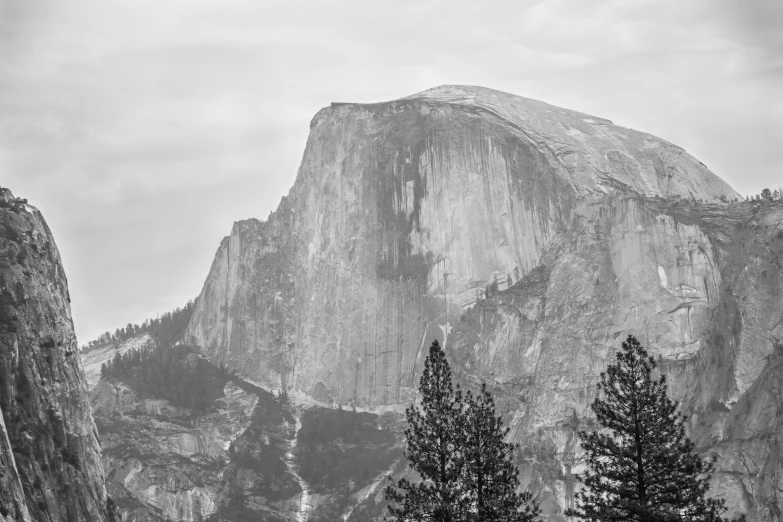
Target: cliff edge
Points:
(50, 461)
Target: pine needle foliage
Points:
(490, 478)
(433, 438)
(641, 467)
(457, 446)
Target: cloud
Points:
(144, 129)
(756, 23)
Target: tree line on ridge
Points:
(165, 329)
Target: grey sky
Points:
(142, 129)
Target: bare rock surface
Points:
(164, 462)
(530, 240)
(50, 458)
(736, 400)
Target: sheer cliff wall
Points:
(401, 216)
(50, 463)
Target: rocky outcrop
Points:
(250, 455)
(50, 460)
(260, 481)
(163, 462)
(254, 267)
(308, 464)
(530, 240)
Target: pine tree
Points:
(489, 476)
(642, 466)
(433, 438)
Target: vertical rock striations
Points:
(736, 401)
(50, 463)
(244, 317)
(529, 239)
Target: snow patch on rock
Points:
(664, 281)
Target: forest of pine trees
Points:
(167, 372)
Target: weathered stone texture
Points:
(162, 462)
(50, 460)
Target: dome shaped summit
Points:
(592, 153)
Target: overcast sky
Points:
(143, 129)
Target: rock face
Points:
(50, 460)
(736, 402)
(530, 240)
(401, 216)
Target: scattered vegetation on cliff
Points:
(457, 446)
(641, 466)
(165, 329)
(175, 373)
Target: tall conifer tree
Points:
(433, 437)
(490, 478)
(641, 467)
